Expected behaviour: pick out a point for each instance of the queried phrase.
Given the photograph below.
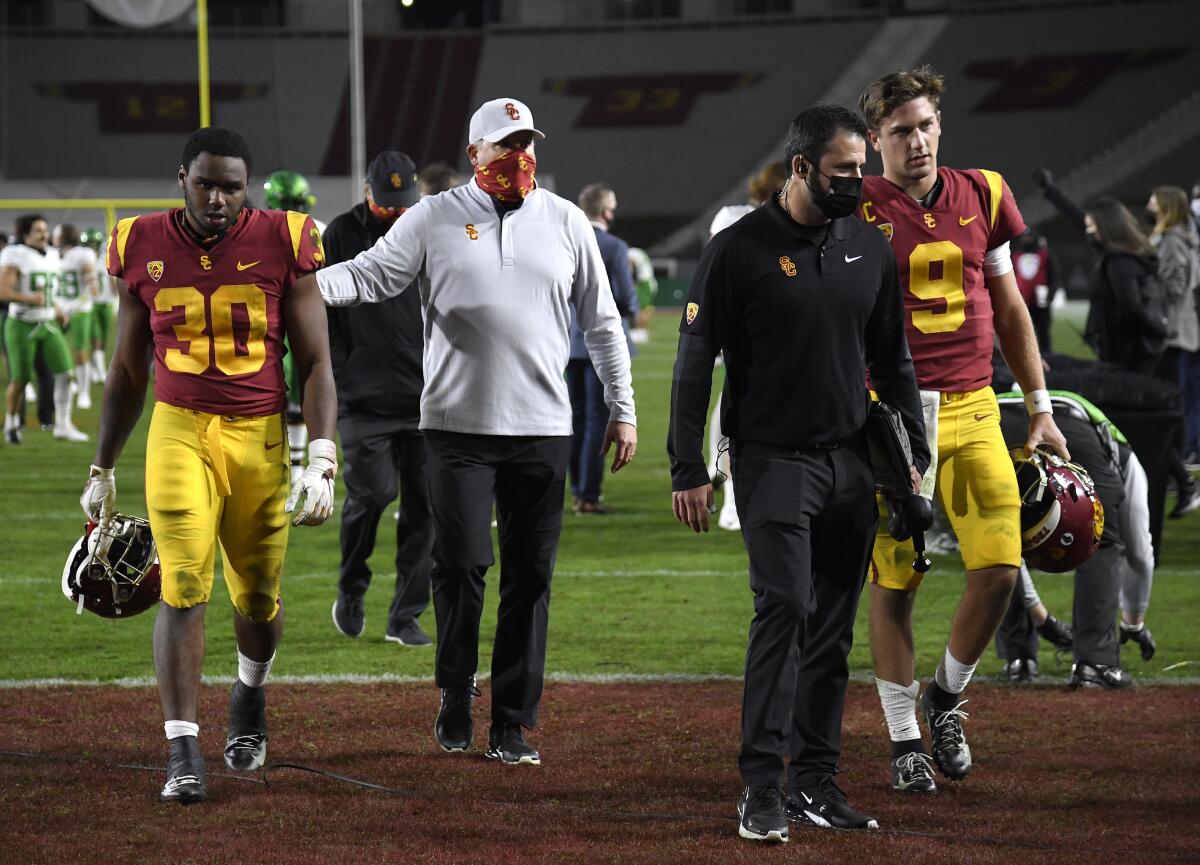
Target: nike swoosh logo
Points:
(982, 416)
(241, 266)
(962, 221)
(806, 799)
(272, 447)
(849, 259)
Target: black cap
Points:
(392, 176)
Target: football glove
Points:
(311, 499)
(99, 499)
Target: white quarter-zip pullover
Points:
(496, 296)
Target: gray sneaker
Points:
(348, 615)
(408, 633)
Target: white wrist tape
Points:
(98, 472)
(1038, 401)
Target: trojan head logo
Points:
(886, 228)
(786, 265)
(471, 232)
(396, 180)
(318, 250)
(206, 262)
(512, 111)
(693, 309)
(930, 222)
(155, 269)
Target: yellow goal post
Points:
(110, 207)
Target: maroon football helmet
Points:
(113, 569)
(1061, 517)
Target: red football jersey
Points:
(939, 252)
(215, 311)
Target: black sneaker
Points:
(950, 749)
(1057, 633)
(13, 435)
(185, 773)
(825, 805)
(454, 728)
(1143, 638)
(1108, 676)
(1189, 500)
(348, 615)
(1020, 670)
(408, 633)
(507, 744)
(913, 773)
(762, 815)
(246, 745)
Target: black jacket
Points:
(1120, 326)
(376, 348)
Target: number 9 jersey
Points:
(216, 309)
(940, 253)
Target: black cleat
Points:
(13, 436)
(246, 747)
(825, 805)
(1057, 633)
(348, 615)
(185, 773)
(507, 744)
(1020, 670)
(1107, 676)
(454, 728)
(950, 749)
(1143, 638)
(913, 773)
(762, 815)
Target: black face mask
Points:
(1097, 243)
(840, 199)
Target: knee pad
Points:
(256, 606)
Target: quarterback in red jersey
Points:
(949, 231)
(212, 288)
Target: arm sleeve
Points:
(384, 270)
(701, 337)
(890, 362)
(1064, 205)
(621, 275)
(596, 313)
(1122, 274)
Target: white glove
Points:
(99, 499)
(312, 494)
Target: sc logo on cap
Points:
(512, 111)
(396, 180)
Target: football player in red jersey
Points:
(212, 288)
(950, 231)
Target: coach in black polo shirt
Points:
(802, 300)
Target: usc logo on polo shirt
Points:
(471, 232)
(786, 265)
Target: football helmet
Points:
(1062, 519)
(113, 569)
(287, 190)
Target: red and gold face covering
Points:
(509, 177)
(387, 214)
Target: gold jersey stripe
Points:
(123, 228)
(296, 229)
(996, 186)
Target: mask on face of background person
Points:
(840, 198)
(387, 214)
(1097, 243)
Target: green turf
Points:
(634, 592)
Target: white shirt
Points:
(39, 272)
(496, 298)
(72, 295)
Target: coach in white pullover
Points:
(499, 263)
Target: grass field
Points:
(634, 593)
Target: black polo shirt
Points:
(801, 313)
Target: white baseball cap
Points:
(500, 118)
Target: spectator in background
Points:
(1038, 279)
(1175, 240)
(588, 412)
(437, 177)
(1195, 205)
(377, 355)
(646, 285)
(766, 184)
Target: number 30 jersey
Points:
(216, 310)
(940, 252)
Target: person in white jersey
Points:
(75, 300)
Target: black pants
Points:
(808, 521)
(376, 462)
(524, 477)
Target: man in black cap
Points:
(376, 353)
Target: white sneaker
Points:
(729, 518)
(84, 400)
(30, 393)
(69, 433)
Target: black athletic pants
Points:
(524, 476)
(808, 521)
(378, 461)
